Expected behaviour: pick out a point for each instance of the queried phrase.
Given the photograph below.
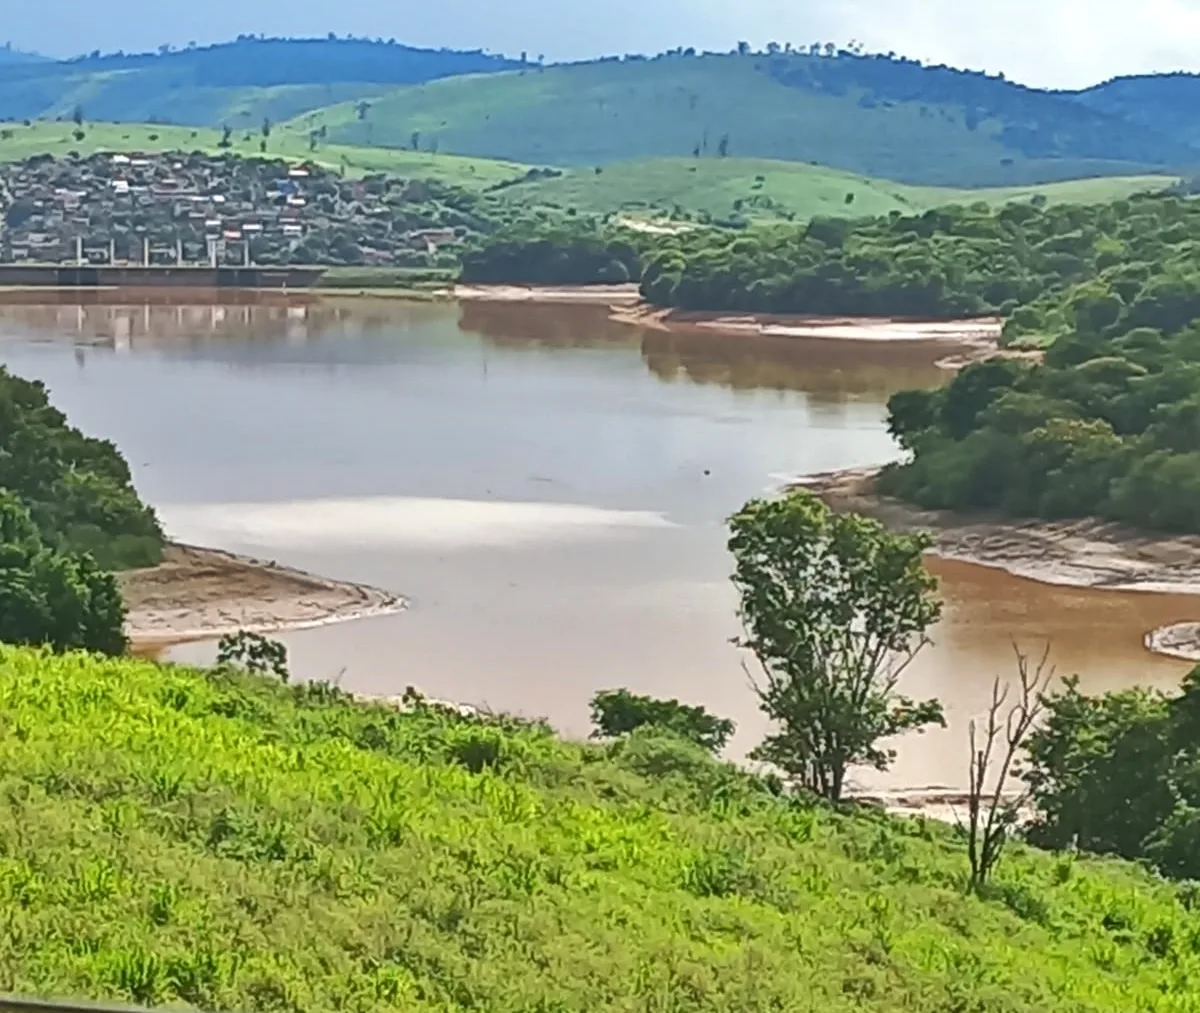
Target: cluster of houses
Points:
(209, 209)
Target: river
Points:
(547, 487)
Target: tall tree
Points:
(834, 608)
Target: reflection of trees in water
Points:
(828, 370)
(241, 325)
(546, 325)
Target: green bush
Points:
(50, 598)
(78, 490)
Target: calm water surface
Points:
(547, 487)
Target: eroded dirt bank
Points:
(202, 594)
(1088, 553)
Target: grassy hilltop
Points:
(232, 843)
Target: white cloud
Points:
(1049, 43)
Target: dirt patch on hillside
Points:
(203, 594)
(1081, 553)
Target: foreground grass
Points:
(173, 836)
(18, 142)
(764, 189)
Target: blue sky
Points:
(1042, 42)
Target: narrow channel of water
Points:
(548, 487)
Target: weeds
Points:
(230, 842)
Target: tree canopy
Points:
(834, 606)
(50, 598)
(77, 490)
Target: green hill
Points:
(211, 85)
(762, 188)
(871, 117)
(176, 836)
(58, 139)
(1166, 103)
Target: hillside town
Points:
(218, 210)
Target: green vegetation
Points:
(953, 261)
(236, 83)
(1029, 259)
(732, 190)
(556, 253)
(232, 843)
(77, 490)
(51, 599)
(1107, 425)
(834, 606)
(18, 141)
(744, 189)
(868, 116)
(1120, 775)
(618, 712)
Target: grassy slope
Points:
(170, 837)
(770, 188)
(147, 96)
(643, 188)
(205, 86)
(590, 114)
(57, 139)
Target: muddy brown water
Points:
(547, 487)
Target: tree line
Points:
(68, 514)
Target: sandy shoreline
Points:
(1087, 553)
(203, 594)
(977, 338)
(592, 295)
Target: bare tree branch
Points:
(992, 814)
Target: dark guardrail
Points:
(24, 1004)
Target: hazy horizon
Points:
(1046, 43)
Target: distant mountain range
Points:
(873, 115)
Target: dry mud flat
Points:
(1088, 553)
(203, 594)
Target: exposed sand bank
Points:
(602, 295)
(977, 338)
(203, 594)
(1087, 553)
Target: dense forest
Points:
(1109, 423)
(77, 490)
(543, 251)
(1038, 264)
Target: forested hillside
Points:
(870, 115)
(1166, 103)
(205, 86)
